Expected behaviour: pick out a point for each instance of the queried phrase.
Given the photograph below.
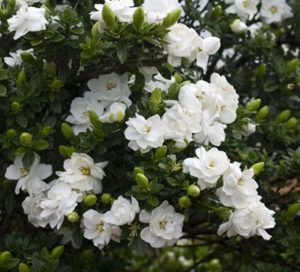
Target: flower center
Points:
(274, 9)
(111, 85)
(86, 171)
(23, 172)
(100, 227)
(162, 224)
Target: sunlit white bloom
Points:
(114, 113)
(95, 228)
(122, 211)
(144, 134)
(27, 19)
(111, 88)
(15, 57)
(208, 167)
(239, 188)
(275, 10)
(237, 26)
(82, 173)
(59, 202)
(165, 226)
(159, 82)
(157, 10)
(80, 108)
(253, 220)
(29, 180)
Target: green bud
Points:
(184, 202)
(25, 139)
(283, 116)
(28, 58)
(160, 152)
(217, 11)
(67, 131)
(96, 30)
(11, 133)
(106, 198)
(46, 131)
(90, 200)
(258, 168)
(57, 252)
(263, 113)
(261, 69)
(73, 217)
(193, 190)
(108, 16)
(142, 181)
(138, 18)
(291, 123)
(292, 210)
(16, 106)
(138, 170)
(23, 267)
(171, 18)
(66, 150)
(253, 105)
(5, 257)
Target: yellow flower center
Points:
(86, 171)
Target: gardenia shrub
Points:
(120, 132)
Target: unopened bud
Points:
(57, 252)
(184, 202)
(253, 105)
(258, 168)
(26, 139)
(171, 18)
(73, 217)
(193, 190)
(90, 200)
(142, 181)
(283, 116)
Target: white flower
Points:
(239, 188)
(275, 10)
(27, 19)
(237, 26)
(159, 82)
(29, 180)
(80, 109)
(157, 10)
(165, 226)
(248, 129)
(243, 8)
(60, 201)
(115, 113)
(81, 173)
(15, 57)
(122, 211)
(208, 167)
(111, 88)
(250, 221)
(144, 134)
(97, 229)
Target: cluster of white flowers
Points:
(238, 191)
(108, 98)
(271, 11)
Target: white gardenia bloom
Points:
(15, 57)
(95, 228)
(253, 220)
(122, 211)
(208, 167)
(157, 10)
(144, 134)
(238, 27)
(111, 88)
(275, 10)
(29, 180)
(80, 108)
(182, 42)
(59, 202)
(243, 8)
(239, 188)
(165, 226)
(27, 19)
(82, 173)
(114, 113)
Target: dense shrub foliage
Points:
(149, 135)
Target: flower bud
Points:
(67, 131)
(171, 18)
(161, 152)
(142, 181)
(253, 105)
(292, 210)
(5, 257)
(263, 113)
(57, 252)
(291, 123)
(258, 168)
(23, 267)
(193, 190)
(106, 198)
(184, 202)
(11, 133)
(238, 27)
(73, 217)
(26, 139)
(283, 116)
(108, 16)
(16, 106)
(90, 200)
(138, 18)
